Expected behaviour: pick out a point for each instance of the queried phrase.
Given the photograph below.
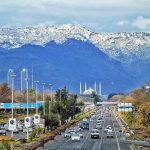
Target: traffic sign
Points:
(27, 122)
(36, 118)
(125, 107)
(12, 124)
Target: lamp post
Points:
(12, 109)
(60, 109)
(27, 88)
(36, 83)
(43, 84)
(51, 98)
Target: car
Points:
(107, 130)
(2, 131)
(6, 126)
(85, 119)
(16, 131)
(20, 127)
(85, 125)
(80, 134)
(99, 121)
(110, 134)
(95, 133)
(69, 133)
(98, 126)
(127, 134)
(25, 129)
(80, 128)
(75, 137)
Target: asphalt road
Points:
(17, 136)
(103, 143)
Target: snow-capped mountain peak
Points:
(125, 47)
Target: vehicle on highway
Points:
(6, 126)
(2, 131)
(69, 133)
(127, 134)
(85, 119)
(25, 129)
(99, 121)
(85, 126)
(16, 131)
(110, 134)
(75, 137)
(95, 133)
(98, 126)
(80, 128)
(108, 128)
(80, 134)
(20, 127)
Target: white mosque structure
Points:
(90, 91)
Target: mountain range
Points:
(69, 54)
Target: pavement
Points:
(103, 143)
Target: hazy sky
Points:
(96, 15)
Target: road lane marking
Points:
(103, 128)
(115, 135)
(63, 144)
(87, 135)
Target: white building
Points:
(89, 91)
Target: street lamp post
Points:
(27, 88)
(60, 109)
(51, 98)
(12, 109)
(36, 83)
(43, 100)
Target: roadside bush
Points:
(6, 145)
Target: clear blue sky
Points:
(96, 15)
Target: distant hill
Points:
(67, 64)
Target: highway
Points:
(103, 143)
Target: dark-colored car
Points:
(85, 126)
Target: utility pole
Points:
(32, 78)
(36, 84)
(12, 107)
(27, 87)
(51, 98)
(43, 84)
(60, 109)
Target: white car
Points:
(6, 126)
(80, 134)
(108, 130)
(85, 119)
(75, 137)
(95, 133)
(98, 126)
(16, 131)
(25, 130)
(69, 133)
(110, 134)
(2, 131)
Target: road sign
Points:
(27, 122)
(36, 118)
(125, 107)
(12, 124)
